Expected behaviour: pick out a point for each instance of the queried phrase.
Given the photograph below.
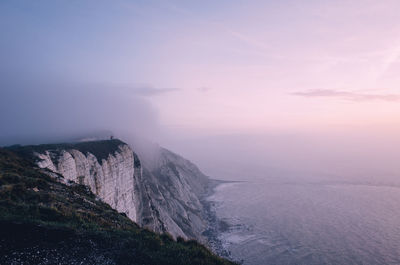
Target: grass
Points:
(101, 149)
(38, 207)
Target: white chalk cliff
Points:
(112, 179)
(162, 195)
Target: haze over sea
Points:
(284, 221)
(316, 199)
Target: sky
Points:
(188, 69)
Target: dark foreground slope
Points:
(43, 221)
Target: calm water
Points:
(287, 222)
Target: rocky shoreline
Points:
(215, 226)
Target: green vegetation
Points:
(43, 219)
(101, 149)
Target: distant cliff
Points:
(174, 186)
(162, 194)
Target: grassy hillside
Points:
(43, 221)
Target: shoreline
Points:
(215, 226)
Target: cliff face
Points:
(175, 186)
(162, 195)
(111, 178)
(46, 221)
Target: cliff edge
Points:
(162, 195)
(46, 221)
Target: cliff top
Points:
(101, 149)
(43, 219)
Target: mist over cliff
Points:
(162, 192)
(41, 111)
(85, 215)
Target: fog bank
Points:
(366, 156)
(34, 112)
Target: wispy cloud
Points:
(331, 93)
(136, 90)
(391, 57)
(253, 42)
(204, 89)
(148, 91)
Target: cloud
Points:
(204, 89)
(44, 111)
(391, 57)
(331, 93)
(149, 91)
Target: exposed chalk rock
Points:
(112, 179)
(161, 194)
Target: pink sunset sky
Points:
(311, 85)
(304, 65)
(215, 67)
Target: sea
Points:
(288, 221)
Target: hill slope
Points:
(44, 221)
(160, 192)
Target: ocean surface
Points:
(278, 221)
